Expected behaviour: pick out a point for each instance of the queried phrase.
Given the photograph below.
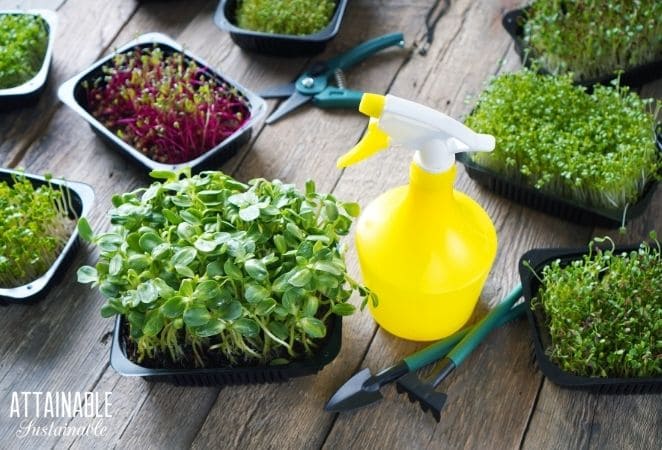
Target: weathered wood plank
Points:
(64, 335)
(500, 371)
(306, 145)
(571, 419)
(31, 4)
(85, 30)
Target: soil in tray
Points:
(212, 360)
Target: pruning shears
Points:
(314, 84)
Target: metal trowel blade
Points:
(355, 393)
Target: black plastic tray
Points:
(221, 376)
(72, 93)
(28, 93)
(554, 205)
(539, 258)
(82, 197)
(277, 44)
(513, 22)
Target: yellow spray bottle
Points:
(425, 249)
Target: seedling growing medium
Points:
(604, 312)
(208, 270)
(23, 44)
(593, 38)
(34, 228)
(165, 105)
(293, 17)
(597, 150)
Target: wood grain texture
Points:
(31, 4)
(85, 30)
(497, 399)
(568, 419)
(64, 335)
(469, 49)
(305, 145)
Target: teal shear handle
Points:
(339, 97)
(333, 97)
(363, 51)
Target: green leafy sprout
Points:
(596, 149)
(34, 228)
(202, 265)
(604, 312)
(23, 44)
(293, 17)
(593, 38)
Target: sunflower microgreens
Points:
(23, 44)
(294, 17)
(596, 149)
(593, 38)
(604, 312)
(205, 264)
(166, 106)
(34, 228)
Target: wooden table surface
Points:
(497, 399)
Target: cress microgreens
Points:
(206, 263)
(596, 149)
(23, 44)
(34, 228)
(294, 17)
(166, 106)
(593, 38)
(604, 312)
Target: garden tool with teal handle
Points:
(314, 84)
(363, 388)
(423, 391)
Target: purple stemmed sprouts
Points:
(166, 106)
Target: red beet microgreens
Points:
(166, 106)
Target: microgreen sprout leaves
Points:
(593, 38)
(34, 228)
(597, 150)
(193, 277)
(165, 106)
(604, 311)
(24, 40)
(295, 17)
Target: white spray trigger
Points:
(436, 136)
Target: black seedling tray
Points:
(513, 22)
(82, 197)
(73, 94)
(28, 93)
(538, 259)
(555, 205)
(277, 44)
(221, 376)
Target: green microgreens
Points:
(294, 17)
(34, 228)
(604, 312)
(206, 263)
(593, 38)
(598, 150)
(23, 44)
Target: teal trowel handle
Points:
(484, 327)
(441, 348)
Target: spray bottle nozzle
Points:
(374, 140)
(436, 136)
